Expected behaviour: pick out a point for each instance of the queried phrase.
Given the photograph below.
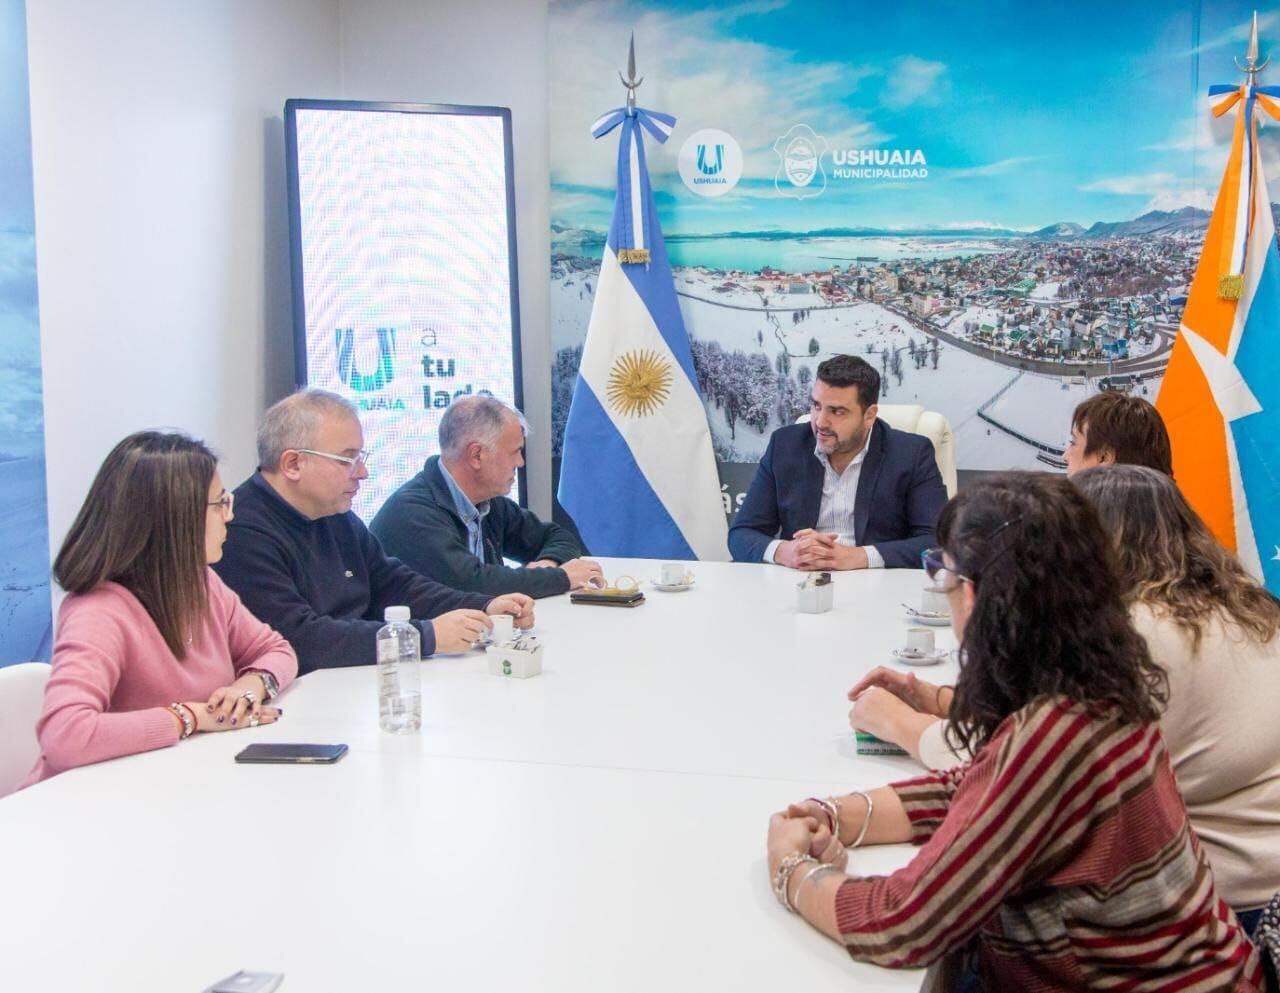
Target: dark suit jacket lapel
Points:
(867, 480)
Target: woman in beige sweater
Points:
(1215, 631)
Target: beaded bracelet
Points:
(782, 877)
(184, 715)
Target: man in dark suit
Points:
(844, 491)
(452, 522)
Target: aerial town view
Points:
(996, 254)
(1003, 335)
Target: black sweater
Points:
(323, 584)
(419, 524)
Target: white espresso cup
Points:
(920, 641)
(503, 628)
(934, 601)
(675, 574)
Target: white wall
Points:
(161, 226)
(492, 53)
(161, 219)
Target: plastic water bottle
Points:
(399, 673)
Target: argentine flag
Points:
(1220, 398)
(638, 473)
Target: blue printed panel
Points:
(26, 630)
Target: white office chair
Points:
(21, 697)
(914, 418)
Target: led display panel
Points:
(402, 224)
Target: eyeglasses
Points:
(226, 503)
(353, 464)
(944, 579)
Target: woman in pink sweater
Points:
(151, 646)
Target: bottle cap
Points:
(396, 614)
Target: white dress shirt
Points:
(835, 512)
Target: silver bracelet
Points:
(866, 823)
(188, 725)
(832, 808)
(782, 877)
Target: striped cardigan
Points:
(1063, 847)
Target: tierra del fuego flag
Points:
(1221, 393)
(639, 474)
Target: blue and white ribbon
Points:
(633, 174)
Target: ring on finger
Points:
(249, 695)
(253, 720)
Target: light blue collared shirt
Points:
(471, 514)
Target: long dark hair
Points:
(143, 526)
(1168, 559)
(1049, 618)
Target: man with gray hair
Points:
(453, 520)
(305, 564)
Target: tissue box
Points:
(521, 659)
(815, 599)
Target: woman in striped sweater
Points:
(1060, 857)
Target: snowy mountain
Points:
(1187, 220)
(1067, 229)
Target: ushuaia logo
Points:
(345, 346)
(800, 173)
(710, 162)
(707, 167)
(879, 163)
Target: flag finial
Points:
(632, 84)
(1251, 64)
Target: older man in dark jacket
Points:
(453, 523)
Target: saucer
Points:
(933, 620)
(923, 658)
(671, 587)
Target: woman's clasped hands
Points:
(235, 706)
(804, 828)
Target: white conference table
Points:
(598, 827)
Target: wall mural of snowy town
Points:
(1093, 182)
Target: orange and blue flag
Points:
(1221, 393)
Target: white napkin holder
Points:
(520, 658)
(814, 597)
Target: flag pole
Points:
(1251, 65)
(632, 84)
(1244, 161)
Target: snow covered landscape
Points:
(1004, 417)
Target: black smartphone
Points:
(631, 599)
(293, 754)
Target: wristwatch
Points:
(269, 684)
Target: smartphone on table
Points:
(282, 754)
